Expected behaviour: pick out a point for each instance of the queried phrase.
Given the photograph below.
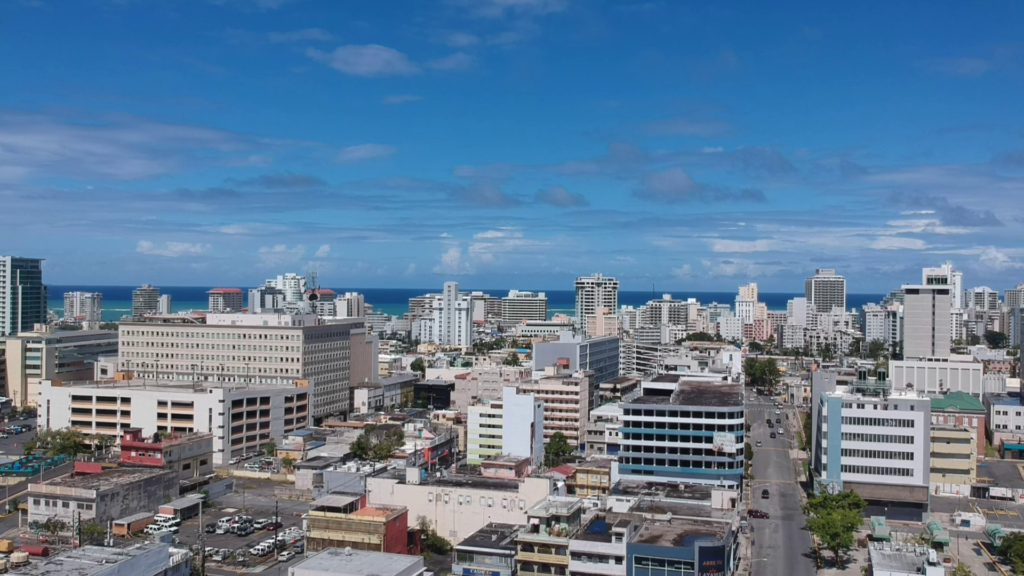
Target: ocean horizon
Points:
(117, 300)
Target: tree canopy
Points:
(512, 360)
(834, 518)
(377, 446)
(418, 365)
(557, 449)
(995, 339)
(762, 373)
(877, 349)
(1011, 551)
(62, 442)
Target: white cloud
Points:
(898, 243)
(744, 245)
(400, 99)
(452, 264)
(998, 259)
(369, 60)
(364, 152)
(304, 34)
(171, 249)
(930, 226)
(460, 39)
(323, 251)
(457, 61)
(445, 235)
(739, 267)
(913, 212)
(280, 255)
(502, 232)
(498, 8)
(411, 270)
(685, 272)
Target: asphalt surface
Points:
(14, 445)
(781, 545)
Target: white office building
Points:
(241, 419)
(163, 305)
(350, 305)
(981, 298)
(291, 285)
(511, 426)
(945, 275)
(145, 300)
(825, 290)
(745, 310)
(593, 292)
(253, 349)
(450, 318)
(1014, 297)
(939, 376)
(519, 306)
(83, 307)
(926, 321)
(730, 327)
(873, 323)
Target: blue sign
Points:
(711, 560)
(479, 572)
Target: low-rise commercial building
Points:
(459, 505)
(339, 521)
(939, 376)
(141, 559)
(32, 357)
(599, 548)
(1005, 418)
(591, 478)
(961, 409)
(679, 545)
(953, 460)
(603, 435)
(490, 550)
(544, 543)
(190, 455)
(345, 562)
(241, 419)
(102, 497)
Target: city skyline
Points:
(518, 144)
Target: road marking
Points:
(767, 448)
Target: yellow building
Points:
(593, 478)
(544, 543)
(954, 459)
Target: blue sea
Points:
(117, 300)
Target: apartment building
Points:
(350, 305)
(512, 426)
(926, 322)
(241, 419)
(446, 318)
(568, 398)
(145, 300)
(945, 276)
(225, 300)
(23, 296)
(544, 543)
(484, 383)
(33, 357)
(981, 298)
(599, 355)
(519, 306)
(247, 349)
(84, 307)
(490, 550)
(163, 305)
(684, 428)
(825, 290)
(603, 435)
(593, 292)
(953, 462)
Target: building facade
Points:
(23, 296)
(512, 426)
(225, 300)
(33, 357)
(102, 497)
(145, 300)
(447, 318)
(568, 398)
(600, 355)
(249, 349)
(593, 292)
(926, 322)
(190, 455)
(519, 306)
(825, 290)
(84, 307)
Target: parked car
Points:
(764, 494)
(260, 524)
(244, 530)
(299, 547)
(3, 435)
(285, 556)
(210, 528)
(754, 513)
(223, 529)
(234, 460)
(273, 526)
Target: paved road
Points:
(781, 546)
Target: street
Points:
(781, 545)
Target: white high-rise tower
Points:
(593, 292)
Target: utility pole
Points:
(202, 540)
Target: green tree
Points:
(1011, 551)
(961, 570)
(418, 365)
(62, 442)
(433, 543)
(755, 347)
(834, 518)
(973, 340)
(29, 447)
(54, 526)
(512, 360)
(995, 339)
(93, 533)
(376, 446)
(287, 462)
(699, 337)
(557, 449)
(876, 349)
(826, 352)
(270, 448)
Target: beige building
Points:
(602, 323)
(954, 459)
(46, 355)
(247, 349)
(568, 398)
(458, 506)
(483, 383)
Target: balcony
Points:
(545, 558)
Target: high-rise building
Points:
(520, 305)
(448, 320)
(23, 295)
(225, 300)
(568, 398)
(163, 305)
(511, 426)
(825, 290)
(83, 307)
(484, 306)
(265, 299)
(592, 292)
(350, 305)
(664, 312)
(1014, 297)
(926, 321)
(872, 322)
(945, 276)
(265, 349)
(748, 292)
(145, 300)
(981, 298)
(291, 285)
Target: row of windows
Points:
(670, 564)
(668, 438)
(877, 454)
(683, 426)
(213, 335)
(876, 470)
(62, 504)
(671, 450)
(887, 422)
(677, 413)
(705, 464)
(882, 438)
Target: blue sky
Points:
(512, 143)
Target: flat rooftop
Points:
(107, 479)
(694, 393)
(89, 560)
(600, 526)
(681, 532)
(463, 481)
(339, 562)
(494, 536)
(892, 561)
(675, 491)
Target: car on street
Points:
(764, 494)
(768, 422)
(758, 443)
(755, 513)
(778, 420)
(780, 431)
(273, 526)
(285, 556)
(772, 435)
(3, 435)
(222, 529)
(299, 547)
(777, 411)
